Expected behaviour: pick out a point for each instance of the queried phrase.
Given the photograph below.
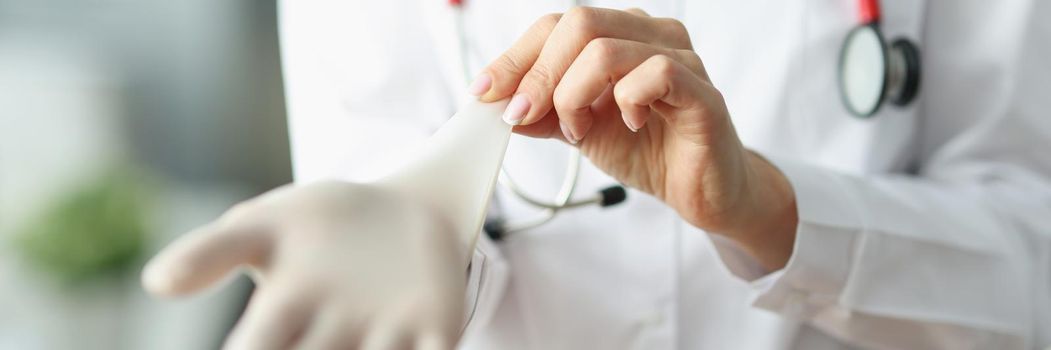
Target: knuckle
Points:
(676, 32)
(509, 62)
(541, 76)
(663, 64)
(602, 49)
(585, 20)
(716, 95)
(548, 21)
(574, 13)
(692, 60)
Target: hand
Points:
(336, 265)
(631, 93)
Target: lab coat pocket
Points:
(825, 132)
(486, 282)
(596, 279)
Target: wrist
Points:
(768, 231)
(742, 197)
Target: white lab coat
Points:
(924, 227)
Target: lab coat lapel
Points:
(440, 18)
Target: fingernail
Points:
(516, 109)
(568, 134)
(480, 85)
(632, 127)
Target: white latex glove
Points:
(336, 265)
(339, 265)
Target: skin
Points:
(630, 92)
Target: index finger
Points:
(568, 38)
(507, 70)
(206, 255)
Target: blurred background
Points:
(123, 124)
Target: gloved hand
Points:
(336, 265)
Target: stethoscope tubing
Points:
(564, 198)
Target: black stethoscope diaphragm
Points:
(872, 72)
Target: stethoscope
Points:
(498, 226)
(872, 72)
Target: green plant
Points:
(96, 230)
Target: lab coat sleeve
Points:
(906, 262)
(956, 255)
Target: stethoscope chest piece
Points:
(871, 72)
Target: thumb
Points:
(204, 256)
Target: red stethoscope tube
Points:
(868, 11)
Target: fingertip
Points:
(501, 85)
(539, 108)
(633, 123)
(164, 277)
(167, 275)
(481, 85)
(516, 109)
(583, 126)
(199, 259)
(567, 133)
(156, 281)
(633, 114)
(545, 128)
(531, 119)
(169, 279)
(489, 97)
